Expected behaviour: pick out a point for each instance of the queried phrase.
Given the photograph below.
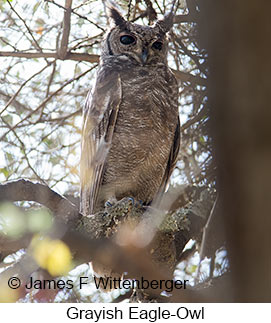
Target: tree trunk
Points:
(236, 35)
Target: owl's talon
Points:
(136, 203)
(132, 200)
(140, 203)
(108, 204)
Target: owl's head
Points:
(145, 45)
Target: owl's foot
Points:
(109, 203)
(136, 203)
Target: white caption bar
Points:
(172, 312)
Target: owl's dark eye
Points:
(157, 45)
(127, 40)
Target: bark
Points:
(236, 35)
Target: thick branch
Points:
(182, 225)
(66, 30)
(89, 238)
(92, 58)
(187, 77)
(23, 190)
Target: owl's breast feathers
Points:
(135, 111)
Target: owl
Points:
(131, 128)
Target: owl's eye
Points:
(157, 45)
(127, 40)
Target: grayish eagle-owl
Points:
(131, 129)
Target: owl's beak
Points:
(144, 55)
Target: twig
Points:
(28, 29)
(195, 119)
(129, 9)
(75, 113)
(22, 85)
(24, 151)
(46, 100)
(75, 13)
(51, 79)
(179, 19)
(204, 235)
(18, 105)
(187, 77)
(189, 53)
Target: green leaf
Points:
(8, 119)
(12, 220)
(36, 7)
(202, 140)
(4, 171)
(39, 220)
(9, 157)
(192, 269)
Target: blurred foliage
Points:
(14, 222)
(52, 255)
(8, 295)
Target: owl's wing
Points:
(173, 157)
(99, 118)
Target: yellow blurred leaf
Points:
(53, 255)
(41, 251)
(8, 295)
(59, 261)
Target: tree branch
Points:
(45, 101)
(75, 13)
(92, 58)
(66, 30)
(24, 190)
(89, 238)
(179, 19)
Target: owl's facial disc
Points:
(147, 45)
(144, 49)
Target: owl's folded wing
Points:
(172, 160)
(99, 118)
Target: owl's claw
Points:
(136, 203)
(140, 203)
(108, 204)
(132, 200)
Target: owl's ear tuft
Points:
(117, 17)
(165, 24)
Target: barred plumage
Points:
(131, 130)
(131, 126)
